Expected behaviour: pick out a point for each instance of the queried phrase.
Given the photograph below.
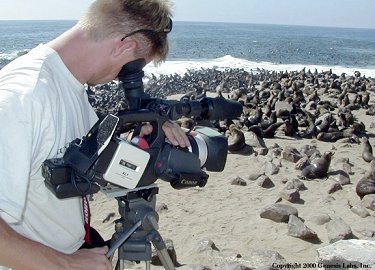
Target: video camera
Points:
(103, 156)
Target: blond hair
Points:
(109, 18)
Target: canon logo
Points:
(189, 182)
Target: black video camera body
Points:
(103, 156)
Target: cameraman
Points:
(44, 106)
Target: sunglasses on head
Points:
(166, 30)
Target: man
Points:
(43, 107)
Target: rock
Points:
(275, 152)
(334, 187)
(270, 168)
(232, 266)
(308, 150)
(341, 177)
(368, 233)
(109, 217)
(348, 254)
(253, 140)
(302, 163)
(291, 154)
(275, 146)
(290, 195)
(320, 219)
(368, 201)
(339, 160)
(263, 259)
(238, 181)
(283, 180)
(328, 199)
(337, 230)
(161, 207)
(281, 106)
(254, 176)
(278, 212)
(193, 267)
(295, 184)
(265, 182)
(360, 211)
(207, 244)
(346, 167)
(297, 228)
(263, 151)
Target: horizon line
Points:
(188, 21)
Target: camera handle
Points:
(137, 229)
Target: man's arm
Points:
(18, 252)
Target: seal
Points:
(185, 122)
(238, 139)
(288, 129)
(319, 167)
(267, 123)
(366, 185)
(367, 150)
(323, 126)
(271, 130)
(310, 131)
(330, 136)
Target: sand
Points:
(229, 215)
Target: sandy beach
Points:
(229, 215)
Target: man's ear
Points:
(124, 46)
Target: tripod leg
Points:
(161, 250)
(121, 264)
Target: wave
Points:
(182, 66)
(6, 58)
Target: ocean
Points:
(196, 45)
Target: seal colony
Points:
(299, 104)
(295, 124)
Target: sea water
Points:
(196, 45)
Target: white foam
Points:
(182, 66)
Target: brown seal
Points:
(323, 126)
(367, 150)
(238, 139)
(366, 185)
(330, 136)
(310, 131)
(319, 167)
(270, 131)
(185, 122)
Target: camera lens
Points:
(199, 148)
(211, 147)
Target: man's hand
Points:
(174, 133)
(93, 259)
(36, 256)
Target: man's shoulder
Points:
(28, 74)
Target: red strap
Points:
(86, 217)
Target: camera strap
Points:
(86, 218)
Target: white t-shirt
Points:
(43, 107)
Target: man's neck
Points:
(80, 54)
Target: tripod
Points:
(137, 228)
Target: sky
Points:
(334, 13)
